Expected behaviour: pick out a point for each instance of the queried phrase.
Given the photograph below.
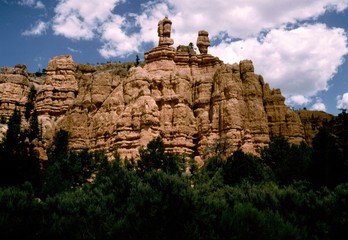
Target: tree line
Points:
(289, 192)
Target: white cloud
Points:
(297, 100)
(116, 41)
(242, 19)
(32, 3)
(81, 21)
(342, 101)
(148, 20)
(38, 29)
(318, 106)
(299, 61)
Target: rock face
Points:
(312, 121)
(203, 41)
(281, 119)
(164, 30)
(14, 88)
(193, 101)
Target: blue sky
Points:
(298, 46)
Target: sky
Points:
(299, 46)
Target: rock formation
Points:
(312, 121)
(281, 119)
(14, 88)
(203, 41)
(192, 100)
(164, 31)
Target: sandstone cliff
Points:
(192, 100)
(312, 121)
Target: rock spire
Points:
(193, 101)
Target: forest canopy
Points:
(288, 192)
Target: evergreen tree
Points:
(11, 151)
(19, 160)
(56, 177)
(154, 157)
(242, 167)
(289, 162)
(67, 169)
(34, 130)
(137, 60)
(29, 106)
(328, 167)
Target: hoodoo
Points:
(192, 100)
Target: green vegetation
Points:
(18, 159)
(289, 192)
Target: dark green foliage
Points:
(159, 207)
(234, 169)
(69, 169)
(29, 106)
(60, 146)
(337, 212)
(79, 214)
(329, 166)
(137, 60)
(85, 196)
(155, 158)
(219, 148)
(31, 116)
(242, 167)
(247, 222)
(13, 134)
(18, 159)
(288, 162)
(213, 165)
(3, 120)
(34, 130)
(20, 212)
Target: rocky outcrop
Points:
(195, 102)
(164, 30)
(57, 94)
(282, 120)
(15, 84)
(203, 41)
(312, 121)
(59, 89)
(14, 89)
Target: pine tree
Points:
(29, 106)
(19, 161)
(34, 130)
(137, 60)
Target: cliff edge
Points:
(192, 100)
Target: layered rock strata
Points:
(312, 121)
(194, 101)
(14, 88)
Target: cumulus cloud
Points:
(38, 29)
(81, 21)
(32, 3)
(239, 19)
(116, 41)
(243, 19)
(318, 105)
(291, 52)
(298, 100)
(298, 57)
(152, 12)
(342, 101)
(299, 61)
